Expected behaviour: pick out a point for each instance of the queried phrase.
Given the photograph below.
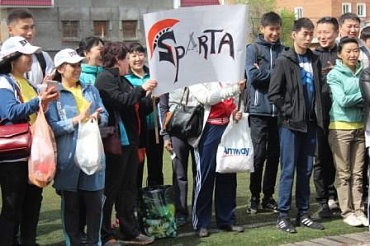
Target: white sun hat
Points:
(17, 44)
(67, 55)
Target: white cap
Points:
(17, 44)
(67, 56)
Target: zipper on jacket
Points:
(255, 98)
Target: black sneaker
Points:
(253, 208)
(270, 204)
(285, 225)
(306, 220)
(325, 211)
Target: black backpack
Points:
(41, 59)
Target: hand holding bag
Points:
(186, 121)
(235, 151)
(42, 161)
(89, 147)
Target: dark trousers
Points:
(121, 190)
(154, 160)
(324, 171)
(71, 201)
(208, 180)
(296, 155)
(30, 215)
(265, 138)
(13, 182)
(180, 174)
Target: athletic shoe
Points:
(325, 211)
(352, 220)
(253, 208)
(364, 220)
(306, 220)
(270, 205)
(203, 232)
(232, 228)
(333, 204)
(140, 239)
(285, 225)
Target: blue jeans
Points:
(296, 153)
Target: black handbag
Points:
(186, 121)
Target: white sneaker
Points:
(364, 220)
(333, 204)
(352, 220)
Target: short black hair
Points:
(302, 23)
(348, 16)
(87, 43)
(330, 20)
(365, 33)
(271, 18)
(346, 40)
(18, 14)
(136, 47)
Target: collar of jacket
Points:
(261, 41)
(332, 49)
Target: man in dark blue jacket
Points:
(262, 113)
(296, 88)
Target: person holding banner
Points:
(127, 103)
(218, 101)
(139, 74)
(296, 88)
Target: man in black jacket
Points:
(295, 88)
(323, 167)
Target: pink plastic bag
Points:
(42, 161)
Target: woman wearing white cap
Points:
(77, 103)
(19, 102)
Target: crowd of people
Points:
(308, 110)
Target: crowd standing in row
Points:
(307, 109)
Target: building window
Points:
(101, 28)
(298, 12)
(361, 10)
(346, 8)
(70, 29)
(129, 29)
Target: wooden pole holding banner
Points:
(156, 131)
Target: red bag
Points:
(42, 161)
(15, 141)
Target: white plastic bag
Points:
(235, 151)
(89, 147)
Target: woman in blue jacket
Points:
(19, 103)
(77, 103)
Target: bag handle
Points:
(186, 95)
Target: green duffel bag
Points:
(157, 211)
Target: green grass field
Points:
(260, 228)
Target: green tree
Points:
(288, 18)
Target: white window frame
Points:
(346, 8)
(298, 12)
(363, 5)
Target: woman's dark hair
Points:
(87, 43)
(113, 51)
(346, 40)
(5, 64)
(136, 47)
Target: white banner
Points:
(196, 45)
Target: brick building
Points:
(315, 9)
